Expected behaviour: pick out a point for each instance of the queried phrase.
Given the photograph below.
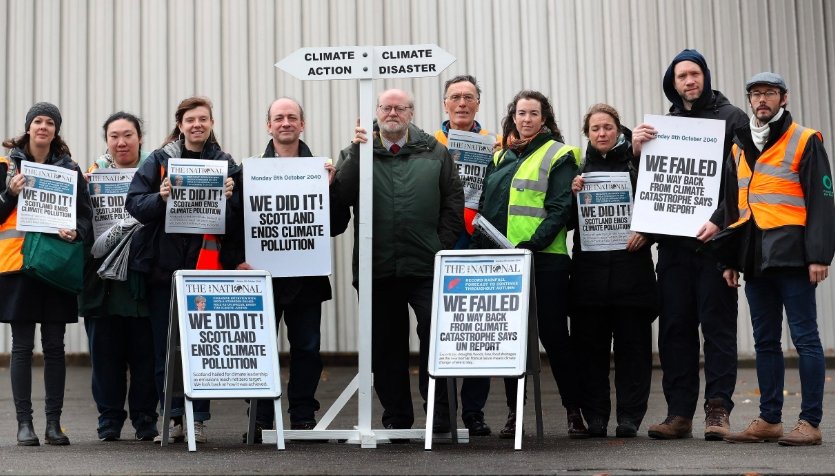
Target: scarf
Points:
(518, 145)
(759, 134)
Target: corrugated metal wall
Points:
(92, 57)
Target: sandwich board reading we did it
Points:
(224, 325)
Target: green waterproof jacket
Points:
(418, 204)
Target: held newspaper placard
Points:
(108, 189)
(287, 215)
(227, 334)
(604, 207)
(680, 173)
(47, 201)
(197, 204)
(472, 153)
(480, 313)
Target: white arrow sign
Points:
(339, 62)
(410, 61)
(363, 62)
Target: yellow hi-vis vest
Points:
(11, 240)
(772, 191)
(526, 207)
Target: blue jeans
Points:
(766, 298)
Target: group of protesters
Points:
(775, 223)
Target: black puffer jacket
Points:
(27, 299)
(152, 250)
(612, 278)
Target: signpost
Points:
(364, 63)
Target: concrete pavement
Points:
(225, 454)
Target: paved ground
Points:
(224, 454)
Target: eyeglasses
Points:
(757, 95)
(468, 98)
(397, 109)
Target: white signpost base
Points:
(364, 64)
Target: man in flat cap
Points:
(780, 219)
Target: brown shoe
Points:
(672, 428)
(803, 434)
(717, 423)
(576, 428)
(758, 431)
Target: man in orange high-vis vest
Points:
(780, 218)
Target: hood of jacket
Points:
(65, 161)
(670, 87)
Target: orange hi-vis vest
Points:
(772, 192)
(209, 256)
(11, 239)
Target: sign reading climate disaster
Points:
(480, 307)
(679, 175)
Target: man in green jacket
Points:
(418, 207)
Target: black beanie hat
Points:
(43, 109)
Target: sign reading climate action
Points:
(472, 153)
(605, 210)
(680, 173)
(287, 215)
(227, 336)
(197, 204)
(108, 189)
(47, 201)
(480, 310)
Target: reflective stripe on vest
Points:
(772, 192)
(526, 206)
(11, 239)
(209, 257)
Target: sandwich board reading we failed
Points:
(364, 63)
(483, 322)
(224, 323)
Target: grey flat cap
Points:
(766, 77)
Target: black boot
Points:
(54, 435)
(26, 434)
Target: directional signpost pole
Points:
(364, 64)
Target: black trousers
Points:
(122, 348)
(391, 300)
(693, 294)
(54, 368)
(552, 317)
(593, 330)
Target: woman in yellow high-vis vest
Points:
(527, 196)
(26, 300)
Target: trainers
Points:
(175, 433)
(597, 429)
(717, 423)
(509, 430)
(109, 434)
(146, 428)
(758, 431)
(476, 426)
(200, 432)
(672, 428)
(574, 419)
(803, 434)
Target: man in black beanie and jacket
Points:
(690, 284)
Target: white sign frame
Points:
(443, 321)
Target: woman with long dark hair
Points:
(532, 209)
(159, 254)
(28, 301)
